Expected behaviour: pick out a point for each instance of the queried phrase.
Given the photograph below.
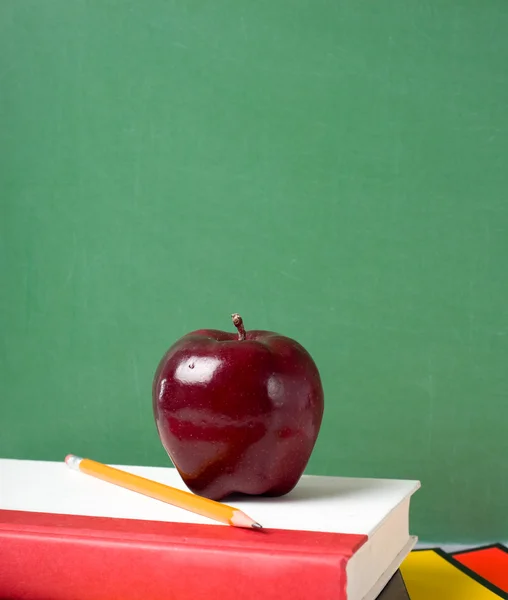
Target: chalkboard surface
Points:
(336, 171)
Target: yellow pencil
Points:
(186, 500)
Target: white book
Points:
(377, 508)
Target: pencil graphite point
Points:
(240, 519)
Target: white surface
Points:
(452, 548)
(317, 503)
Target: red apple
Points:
(238, 412)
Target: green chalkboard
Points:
(333, 170)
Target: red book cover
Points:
(68, 557)
(490, 562)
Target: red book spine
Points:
(67, 557)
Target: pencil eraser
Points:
(73, 461)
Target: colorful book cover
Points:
(436, 575)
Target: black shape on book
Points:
(395, 589)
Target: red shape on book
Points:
(491, 563)
(67, 557)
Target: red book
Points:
(338, 539)
(102, 558)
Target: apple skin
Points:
(238, 415)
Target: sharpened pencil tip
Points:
(240, 519)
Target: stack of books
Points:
(64, 535)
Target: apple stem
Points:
(238, 323)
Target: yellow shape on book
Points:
(429, 576)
